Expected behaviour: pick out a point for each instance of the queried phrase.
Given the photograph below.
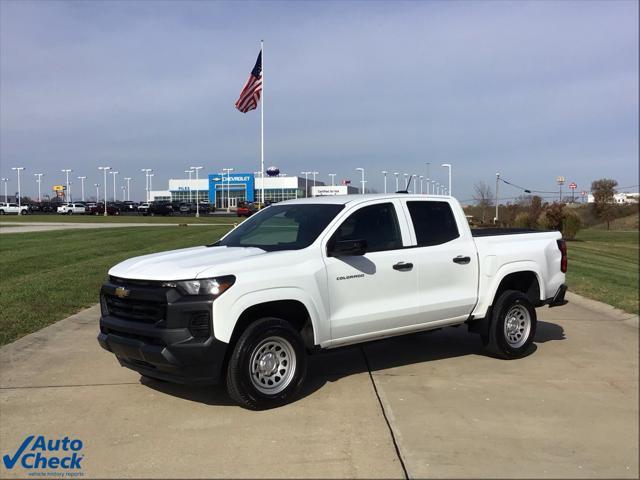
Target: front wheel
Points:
(268, 365)
(513, 326)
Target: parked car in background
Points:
(72, 208)
(186, 208)
(13, 208)
(126, 206)
(160, 208)
(99, 210)
(246, 209)
(143, 207)
(49, 207)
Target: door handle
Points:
(461, 260)
(403, 266)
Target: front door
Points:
(377, 291)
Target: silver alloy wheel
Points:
(272, 366)
(517, 326)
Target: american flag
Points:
(250, 94)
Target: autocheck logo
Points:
(39, 453)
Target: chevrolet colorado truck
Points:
(312, 274)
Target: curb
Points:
(605, 308)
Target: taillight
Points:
(562, 246)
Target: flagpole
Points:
(262, 130)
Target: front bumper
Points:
(160, 333)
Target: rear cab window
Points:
(433, 222)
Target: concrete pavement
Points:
(426, 405)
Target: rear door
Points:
(376, 291)
(445, 258)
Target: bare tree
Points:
(603, 198)
(483, 196)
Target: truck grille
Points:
(135, 309)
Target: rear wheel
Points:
(268, 365)
(513, 326)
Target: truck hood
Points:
(181, 264)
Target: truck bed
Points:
(490, 232)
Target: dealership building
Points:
(224, 190)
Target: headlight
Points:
(203, 286)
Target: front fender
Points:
(225, 317)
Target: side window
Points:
(377, 224)
(433, 222)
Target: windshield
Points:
(282, 227)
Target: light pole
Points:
(189, 172)
(361, 170)
(81, 186)
(228, 170)
(406, 181)
(448, 165)
(384, 172)
(397, 186)
(18, 169)
(6, 198)
(437, 188)
(104, 187)
(97, 185)
(128, 180)
(146, 182)
(314, 178)
(124, 193)
(421, 180)
(414, 183)
(38, 181)
(428, 163)
(67, 194)
(114, 173)
(151, 175)
(333, 179)
(306, 183)
(495, 220)
(433, 187)
(196, 169)
(560, 181)
(282, 191)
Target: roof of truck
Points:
(344, 199)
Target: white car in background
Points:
(13, 208)
(71, 208)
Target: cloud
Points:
(530, 89)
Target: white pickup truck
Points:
(9, 208)
(72, 208)
(312, 274)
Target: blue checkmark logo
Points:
(10, 462)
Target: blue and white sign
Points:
(236, 181)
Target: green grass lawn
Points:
(117, 219)
(47, 276)
(604, 266)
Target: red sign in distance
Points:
(573, 186)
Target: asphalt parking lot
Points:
(426, 405)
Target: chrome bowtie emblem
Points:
(122, 292)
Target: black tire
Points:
(240, 383)
(516, 340)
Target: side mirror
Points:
(347, 248)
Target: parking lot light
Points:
(97, 185)
(6, 198)
(38, 181)
(81, 186)
(361, 170)
(18, 170)
(104, 187)
(197, 169)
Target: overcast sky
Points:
(532, 90)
